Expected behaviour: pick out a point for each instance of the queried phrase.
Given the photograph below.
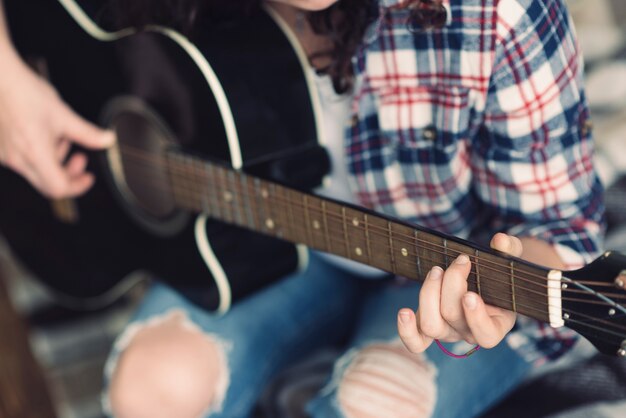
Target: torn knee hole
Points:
(169, 357)
(386, 380)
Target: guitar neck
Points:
(353, 233)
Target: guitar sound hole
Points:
(137, 165)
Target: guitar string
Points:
(600, 329)
(325, 213)
(430, 243)
(296, 203)
(595, 320)
(370, 227)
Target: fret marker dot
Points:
(269, 223)
(565, 316)
(228, 196)
(358, 251)
(264, 193)
(611, 312)
(316, 225)
(355, 222)
(564, 286)
(404, 252)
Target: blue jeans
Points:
(320, 306)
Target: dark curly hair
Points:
(344, 22)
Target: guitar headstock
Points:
(594, 302)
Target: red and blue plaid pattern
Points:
(478, 127)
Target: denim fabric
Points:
(265, 331)
(320, 306)
(465, 387)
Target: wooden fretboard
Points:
(354, 233)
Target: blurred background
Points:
(71, 347)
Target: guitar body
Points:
(238, 94)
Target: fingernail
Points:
(404, 316)
(462, 259)
(435, 273)
(470, 301)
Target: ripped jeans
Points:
(376, 377)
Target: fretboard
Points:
(354, 233)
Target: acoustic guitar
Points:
(208, 183)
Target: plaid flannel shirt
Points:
(478, 127)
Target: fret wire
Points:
(189, 184)
(476, 265)
(291, 218)
(219, 193)
(394, 268)
(325, 222)
(503, 288)
(271, 223)
(215, 191)
(227, 195)
(205, 200)
(251, 214)
(541, 277)
(345, 232)
(283, 219)
(187, 191)
(367, 238)
(404, 241)
(513, 286)
(277, 213)
(292, 223)
(181, 188)
(494, 263)
(307, 217)
(267, 208)
(198, 178)
(278, 224)
(232, 185)
(445, 252)
(367, 223)
(447, 249)
(174, 179)
(260, 201)
(195, 179)
(417, 255)
(203, 182)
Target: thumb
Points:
(82, 132)
(507, 244)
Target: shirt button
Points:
(429, 133)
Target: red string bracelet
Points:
(451, 354)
